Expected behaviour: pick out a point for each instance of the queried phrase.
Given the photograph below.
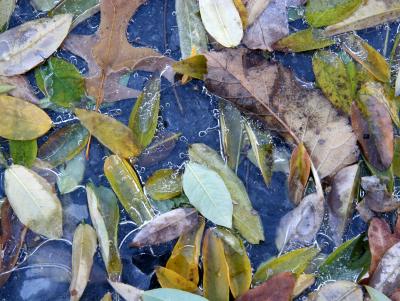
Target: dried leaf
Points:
(216, 274)
(164, 184)
(207, 193)
(171, 279)
(278, 288)
(127, 187)
(377, 197)
(24, 90)
(71, 175)
(338, 291)
(21, 120)
(110, 132)
(300, 167)
(6, 9)
(194, 66)
(23, 152)
(83, 248)
(33, 201)
(222, 21)
(45, 36)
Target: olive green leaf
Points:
(194, 66)
(23, 152)
(164, 184)
(71, 175)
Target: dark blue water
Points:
(45, 270)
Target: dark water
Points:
(46, 265)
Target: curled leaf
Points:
(300, 167)
(164, 184)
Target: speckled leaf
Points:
(104, 213)
(164, 184)
(33, 200)
(192, 35)
(194, 66)
(45, 36)
(295, 261)
(21, 120)
(144, 116)
(222, 21)
(6, 9)
(23, 152)
(64, 144)
(239, 265)
(127, 187)
(110, 132)
(166, 227)
(338, 291)
(303, 40)
(321, 13)
(300, 167)
(84, 246)
(171, 279)
(216, 273)
(375, 295)
(184, 259)
(245, 219)
(169, 294)
(71, 175)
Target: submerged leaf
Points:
(83, 248)
(171, 279)
(300, 167)
(33, 200)
(6, 9)
(72, 174)
(338, 291)
(23, 152)
(126, 185)
(396, 157)
(375, 294)
(167, 294)
(194, 66)
(45, 36)
(164, 184)
(24, 90)
(107, 297)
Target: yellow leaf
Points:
(171, 279)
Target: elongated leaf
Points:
(33, 200)
(72, 174)
(239, 266)
(23, 152)
(192, 35)
(144, 116)
(375, 294)
(166, 227)
(216, 273)
(338, 291)
(164, 184)
(327, 12)
(169, 294)
(184, 259)
(83, 248)
(396, 157)
(300, 167)
(295, 261)
(304, 40)
(45, 36)
(207, 192)
(104, 213)
(222, 21)
(194, 66)
(127, 187)
(22, 120)
(245, 219)
(171, 279)
(110, 132)
(6, 9)
(81, 9)
(128, 292)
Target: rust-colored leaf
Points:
(300, 166)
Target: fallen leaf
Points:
(71, 175)
(242, 10)
(84, 246)
(377, 197)
(278, 288)
(375, 294)
(194, 66)
(107, 297)
(126, 185)
(171, 279)
(164, 184)
(44, 5)
(33, 201)
(222, 21)
(128, 292)
(167, 294)
(110, 132)
(303, 282)
(23, 152)
(255, 9)
(22, 120)
(338, 291)
(300, 167)
(396, 157)
(24, 90)
(6, 9)
(44, 37)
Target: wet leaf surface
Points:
(23, 152)
(72, 174)
(194, 66)
(338, 291)
(377, 197)
(24, 90)
(164, 184)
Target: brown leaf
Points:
(166, 227)
(277, 288)
(380, 239)
(396, 295)
(300, 166)
(377, 197)
(272, 92)
(23, 89)
(11, 240)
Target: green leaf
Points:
(295, 261)
(303, 40)
(170, 294)
(375, 294)
(4, 88)
(61, 82)
(245, 219)
(321, 13)
(127, 187)
(194, 66)
(6, 9)
(64, 144)
(207, 192)
(110, 132)
(104, 213)
(23, 152)
(396, 157)
(334, 79)
(192, 35)
(144, 116)
(71, 175)
(164, 184)
(21, 120)
(34, 201)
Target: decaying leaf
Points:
(194, 66)
(344, 190)
(31, 43)
(164, 184)
(166, 227)
(222, 21)
(24, 90)
(127, 187)
(33, 201)
(338, 291)
(110, 132)
(278, 288)
(21, 120)
(171, 279)
(23, 152)
(83, 248)
(377, 197)
(300, 166)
